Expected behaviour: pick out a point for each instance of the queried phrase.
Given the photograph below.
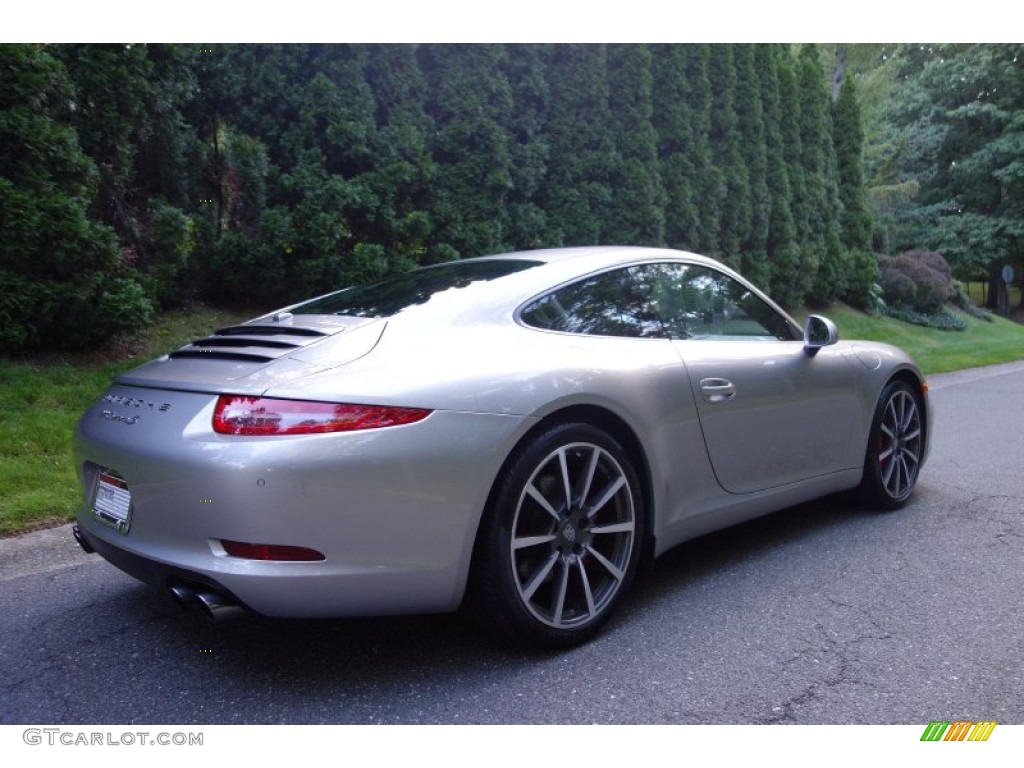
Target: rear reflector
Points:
(239, 415)
(282, 552)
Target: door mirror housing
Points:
(819, 332)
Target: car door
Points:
(771, 413)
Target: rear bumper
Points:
(394, 511)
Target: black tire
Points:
(895, 447)
(559, 544)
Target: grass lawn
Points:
(937, 351)
(40, 400)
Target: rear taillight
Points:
(239, 415)
(281, 552)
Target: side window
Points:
(616, 303)
(702, 303)
(658, 300)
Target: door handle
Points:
(717, 390)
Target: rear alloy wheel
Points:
(560, 544)
(895, 447)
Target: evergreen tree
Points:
(682, 141)
(822, 243)
(731, 175)
(856, 218)
(60, 283)
(578, 192)
(637, 212)
(750, 133)
(470, 102)
(128, 116)
(529, 148)
(802, 205)
(403, 168)
(782, 248)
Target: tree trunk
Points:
(995, 284)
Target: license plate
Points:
(113, 502)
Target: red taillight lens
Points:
(270, 551)
(238, 415)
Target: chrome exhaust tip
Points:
(218, 608)
(82, 542)
(183, 595)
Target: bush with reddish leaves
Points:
(915, 280)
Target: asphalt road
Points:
(823, 613)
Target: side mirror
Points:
(819, 332)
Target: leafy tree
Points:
(970, 206)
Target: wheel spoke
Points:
(606, 495)
(564, 466)
(625, 527)
(539, 575)
(588, 593)
(563, 587)
(588, 478)
(523, 542)
(608, 564)
(887, 473)
(537, 496)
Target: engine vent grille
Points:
(249, 343)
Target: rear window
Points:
(391, 296)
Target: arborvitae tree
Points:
(529, 148)
(637, 212)
(707, 185)
(848, 135)
(750, 132)
(135, 133)
(783, 250)
(793, 153)
(577, 192)
(60, 282)
(403, 167)
(682, 144)
(470, 101)
(822, 234)
(733, 194)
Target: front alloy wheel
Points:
(561, 541)
(896, 447)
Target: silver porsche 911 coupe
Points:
(518, 432)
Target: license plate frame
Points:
(112, 501)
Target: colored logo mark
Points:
(958, 730)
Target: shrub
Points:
(915, 280)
